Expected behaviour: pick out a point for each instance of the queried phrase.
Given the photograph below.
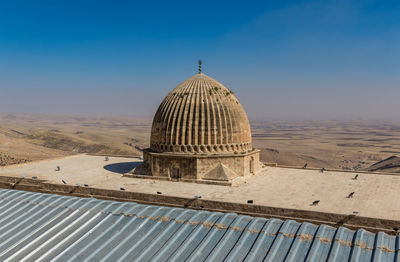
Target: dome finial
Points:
(200, 63)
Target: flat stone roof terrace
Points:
(375, 195)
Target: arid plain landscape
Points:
(342, 145)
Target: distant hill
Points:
(26, 137)
(390, 164)
(271, 155)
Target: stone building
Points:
(200, 132)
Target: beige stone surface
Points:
(375, 195)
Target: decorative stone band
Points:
(220, 148)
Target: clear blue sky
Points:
(283, 59)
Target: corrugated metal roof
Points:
(46, 227)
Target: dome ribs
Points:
(165, 124)
(189, 119)
(165, 111)
(200, 119)
(201, 130)
(156, 124)
(208, 119)
(167, 115)
(214, 128)
(195, 119)
(218, 116)
(232, 120)
(181, 122)
(200, 115)
(177, 116)
(213, 120)
(237, 132)
(228, 120)
(191, 115)
(224, 130)
(171, 119)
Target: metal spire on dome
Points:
(200, 63)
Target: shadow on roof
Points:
(122, 168)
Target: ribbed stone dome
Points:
(200, 116)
